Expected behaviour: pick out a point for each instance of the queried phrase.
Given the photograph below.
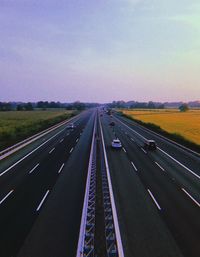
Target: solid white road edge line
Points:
(169, 140)
(42, 201)
(192, 198)
(134, 166)
(61, 168)
(5, 197)
(31, 139)
(192, 172)
(160, 166)
(116, 224)
(5, 171)
(153, 198)
(79, 252)
(20, 160)
(131, 129)
(34, 168)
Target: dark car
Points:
(150, 145)
(112, 123)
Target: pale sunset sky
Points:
(99, 50)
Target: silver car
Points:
(116, 144)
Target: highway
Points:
(151, 200)
(169, 178)
(25, 188)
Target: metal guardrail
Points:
(87, 230)
(29, 140)
(86, 243)
(111, 244)
(88, 249)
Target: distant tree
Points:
(28, 107)
(69, 107)
(42, 104)
(79, 106)
(45, 104)
(54, 105)
(161, 106)
(20, 107)
(5, 106)
(141, 105)
(184, 108)
(151, 105)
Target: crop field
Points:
(17, 125)
(186, 124)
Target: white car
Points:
(70, 126)
(116, 144)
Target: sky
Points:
(99, 50)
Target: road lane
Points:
(56, 230)
(187, 158)
(157, 199)
(176, 169)
(23, 153)
(142, 229)
(179, 211)
(17, 173)
(20, 209)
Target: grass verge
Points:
(17, 126)
(172, 136)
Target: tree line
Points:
(43, 105)
(139, 105)
(144, 105)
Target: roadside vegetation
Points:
(183, 127)
(18, 125)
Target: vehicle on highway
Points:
(112, 124)
(109, 112)
(116, 144)
(70, 126)
(150, 145)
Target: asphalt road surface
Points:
(157, 194)
(169, 177)
(25, 188)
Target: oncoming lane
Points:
(26, 187)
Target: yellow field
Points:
(186, 124)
